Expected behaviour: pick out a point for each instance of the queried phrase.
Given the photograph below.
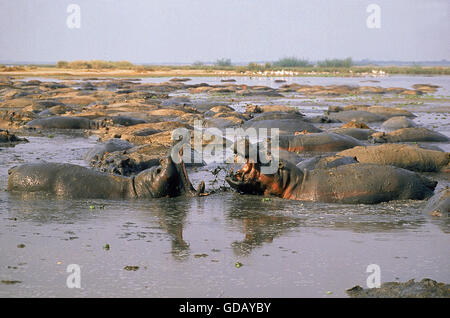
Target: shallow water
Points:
(188, 247)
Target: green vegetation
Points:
(292, 62)
(336, 63)
(223, 62)
(300, 67)
(95, 64)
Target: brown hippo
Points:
(398, 122)
(285, 126)
(351, 183)
(318, 142)
(67, 180)
(403, 156)
(408, 135)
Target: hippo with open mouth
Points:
(169, 179)
(350, 183)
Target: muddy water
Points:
(189, 247)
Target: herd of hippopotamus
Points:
(352, 164)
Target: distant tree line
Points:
(95, 64)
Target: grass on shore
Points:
(299, 66)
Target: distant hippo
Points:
(325, 162)
(353, 183)
(398, 122)
(318, 142)
(358, 133)
(73, 122)
(109, 146)
(408, 135)
(61, 122)
(402, 156)
(67, 180)
(285, 126)
(7, 139)
(439, 204)
(277, 115)
(357, 115)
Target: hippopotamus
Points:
(321, 120)
(127, 121)
(403, 156)
(357, 115)
(276, 115)
(358, 133)
(350, 183)
(74, 122)
(408, 135)
(317, 142)
(285, 126)
(7, 139)
(112, 145)
(61, 122)
(325, 162)
(439, 204)
(67, 180)
(387, 112)
(398, 122)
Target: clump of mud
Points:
(426, 288)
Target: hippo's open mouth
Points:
(247, 179)
(189, 188)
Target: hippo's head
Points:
(169, 179)
(283, 183)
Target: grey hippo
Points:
(348, 183)
(169, 179)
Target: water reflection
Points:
(263, 220)
(171, 214)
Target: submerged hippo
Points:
(7, 139)
(73, 122)
(67, 180)
(403, 156)
(357, 115)
(351, 183)
(285, 126)
(408, 135)
(320, 142)
(325, 162)
(398, 122)
(61, 122)
(358, 133)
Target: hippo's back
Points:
(60, 122)
(64, 180)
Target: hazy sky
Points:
(203, 30)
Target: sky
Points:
(185, 31)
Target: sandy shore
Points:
(171, 71)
